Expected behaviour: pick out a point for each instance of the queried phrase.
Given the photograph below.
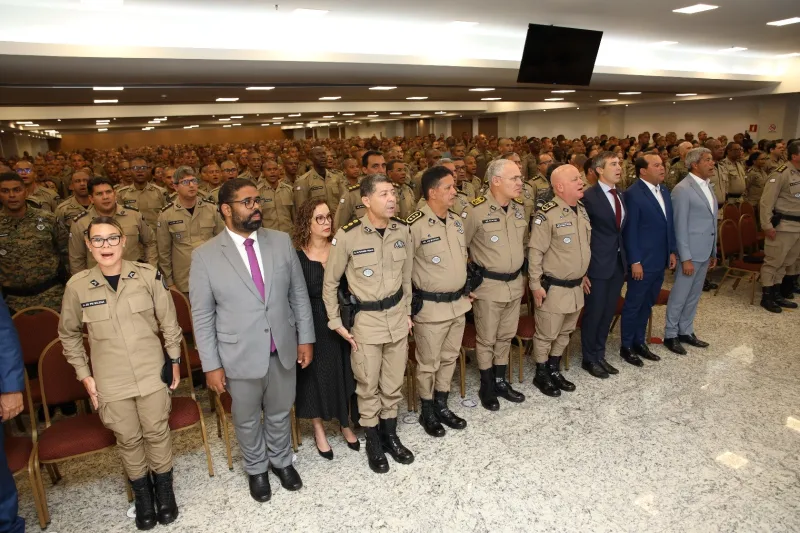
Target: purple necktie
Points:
(258, 279)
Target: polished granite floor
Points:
(709, 442)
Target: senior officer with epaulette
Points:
(495, 228)
(371, 252)
(558, 259)
(141, 240)
(779, 211)
(460, 203)
(277, 207)
(183, 226)
(439, 276)
(350, 204)
(149, 199)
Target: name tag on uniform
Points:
(563, 224)
(171, 222)
(432, 239)
(316, 187)
(129, 202)
(363, 251)
(361, 206)
(266, 200)
(794, 183)
(93, 303)
(490, 220)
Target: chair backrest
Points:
(36, 327)
(748, 232)
(57, 378)
(730, 212)
(747, 209)
(729, 239)
(184, 311)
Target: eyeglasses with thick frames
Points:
(99, 242)
(24, 170)
(229, 170)
(322, 219)
(249, 203)
(189, 181)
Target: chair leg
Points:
(204, 436)
(37, 496)
(37, 470)
(568, 354)
(724, 276)
(736, 283)
(462, 361)
(752, 289)
(522, 349)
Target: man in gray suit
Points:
(695, 215)
(252, 325)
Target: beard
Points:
(248, 223)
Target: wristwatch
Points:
(176, 361)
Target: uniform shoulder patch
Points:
(478, 201)
(352, 224)
(413, 217)
(548, 206)
(780, 168)
(166, 206)
(520, 201)
(354, 187)
(539, 218)
(401, 220)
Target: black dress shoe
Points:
(428, 420)
(559, 380)
(642, 350)
(674, 346)
(166, 508)
(502, 388)
(543, 381)
(391, 442)
(691, 340)
(259, 487)
(607, 367)
(325, 455)
(595, 369)
(355, 446)
(290, 479)
(629, 357)
(709, 286)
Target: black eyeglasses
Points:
(249, 203)
(229, 170)
(24, 170)
(99, 242)
(322, 219)
(140, 167)
(188, 181)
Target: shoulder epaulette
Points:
(461, 192)
(413, 217)
(456, 213)
(548, 206)
(131, 208)
(580, 202)
(167, 206)
(79, 216)
(352, 224)
(781, 168)
(148, 266)
(519, 201)
(354, 187)
(34, 203)
(478, 201)
(401, 220)
(79, 276)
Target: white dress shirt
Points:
(706, 190)
(656, 190)
(610, 198)
(238, 240)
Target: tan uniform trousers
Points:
(781, 254)
(552, 333)
(438, 346)
(141, 425)
(495, 327)
(379, 370)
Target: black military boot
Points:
(375, 456)
(444, 414)
(778, 298)
(787, 288)
(486, 393)
(796, 287)
(767, 302)
(391, 442)
(544, 382)
(429, 421)
(556, 377)
(143, 501)
(503, 388)
(166, 508)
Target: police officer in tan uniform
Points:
(371, 252)
(183, 226)
(396, 171)
(780, 220)
(439, 277)
(316, 183)
(79, 202)
(558, 258)
(277, 209)
(718, 179)
(350, 204)
(124, 306)
(464, 186)
(432, 156)
(253, 171)
(149, 199)
(495, 228)
(39, 197)
(140, 242)
(732, 172)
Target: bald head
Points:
(683, 149)
(567, 184)
(563, 173)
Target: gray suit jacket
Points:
(695, 221)
(232, 324)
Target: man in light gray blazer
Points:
(253, 325)
(695, 217)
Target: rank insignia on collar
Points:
(95, 283)
(131, 274)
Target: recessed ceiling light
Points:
(348, 121)
(441, 112)
(154, 122)
(36, 125)
(190, 127)
(553, 99)
(697, 8)
(348, 114)
(236, 124)
(328, 116)
(626, 105)
(102, 129)
(276, 123)
(148, 128)
(395, 113)
(224, 119)
(162, 118)
(237, 116)
(99, 121)
(417, 98)
(106, 101)
(227, 99)
(563, 91)
(299, 123)
(295, 115)
(108, 88)
(60, 119)
(482, 89)
(225, 126)
(730, 98)
(491, 99)
(664, 43)
(310, 12)
(371, 116)
(784, 22)
(25, 122)
(277, 118)
(313, 121)
(793, 54)
(463, 23)
(733, 49)
(608, 100)
(258, 88)
(330, 97)
(382, 88)
(686, 94)
(630, 93)
(415, 115)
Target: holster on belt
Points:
(348, 305)
(775, 219)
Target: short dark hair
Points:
(367, 155)
(587, 165)
(793, 149)
(431, 178)
(228, 191)
(640, 163)
(390, 165)
(600, 159)
(11, 176)
(369, 182)
(97, 181)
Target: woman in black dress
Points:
(326, 387)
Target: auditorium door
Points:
(460, 125)
(488, 126)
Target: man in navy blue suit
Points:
(11, 385)
(649, 238)
(607, 214)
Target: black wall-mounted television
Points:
(559, 56)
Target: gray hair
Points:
(443, 161)
(369, 182)
(182, 172)
(599, 161)
(694, 155)
(495, 167)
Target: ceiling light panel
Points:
(382, 88)
(227, 99)
(417, 98)
(106, 101)
(697, 8)
(258, 88)
(108, 88)
(784, 22)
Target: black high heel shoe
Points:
(355, 446)
(326, 455)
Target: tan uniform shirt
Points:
(141, 241)
(756, 180)
(68, 210)
(178, 233)
(559, 247)
(149, 201)
(44, 198)
(782, 195)
(440, 262)
(311, 185)
(720, 183)
(123, 325)
(416, 185)
(494, 237)
(277, 210)
(376, 267)
(335, 185)
(350, 206)
(255, 178)
(477, 185)
(405, 200)
(734, 175)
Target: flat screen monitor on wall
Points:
(558, 56)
